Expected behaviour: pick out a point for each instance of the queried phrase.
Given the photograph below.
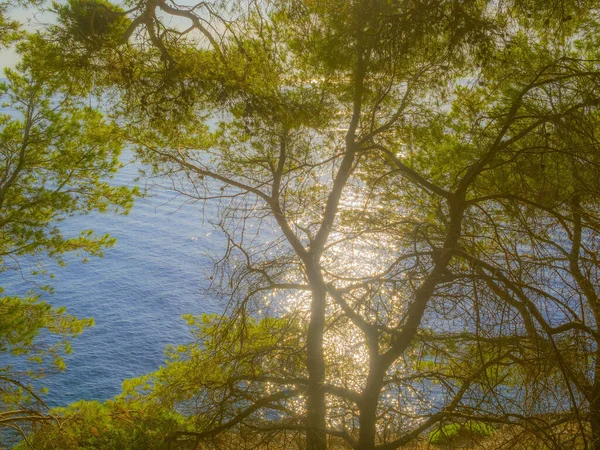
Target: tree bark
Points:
(380, 363)
(595, 406)
(368, 406)
(315, 364)
(595, 421)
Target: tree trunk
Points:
(315, 364)
(595, 423)
(595, 405)
(368, 406)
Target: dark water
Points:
(158, 270)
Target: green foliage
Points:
(92, 23)
(192, 392)
(93, 425)
(36, 336)
(57, 156)
(22, 320)
(461, 138)
(9, 29)
(453, 432)
(220, 351)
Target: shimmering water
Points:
(158, 270)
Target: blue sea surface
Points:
(158, 270)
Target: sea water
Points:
(159, 269)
